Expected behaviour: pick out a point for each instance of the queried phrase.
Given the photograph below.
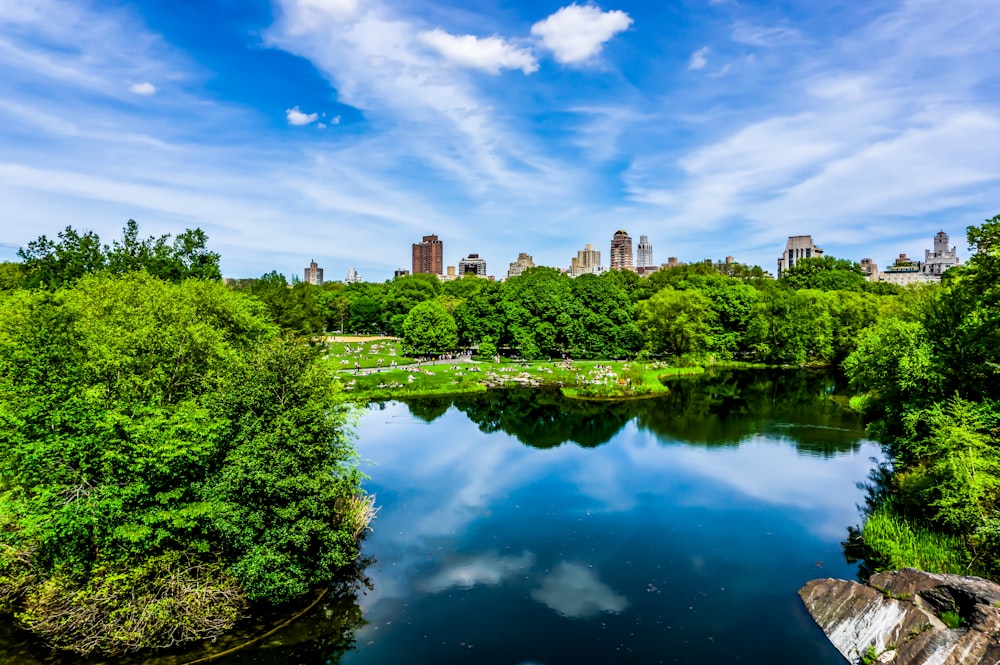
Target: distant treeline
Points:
(813, 314)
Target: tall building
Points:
(428, 256)
(314, 274)
(797, 248)
(587, 260)
(518, 267)
(353, 277)
(472, 265)
(936, 261)
(400, 272)
(644, 253)
(939, 259)
(621, 251)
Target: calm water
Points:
(520, 527)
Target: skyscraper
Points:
(644, 253)
(314, 274)
(621, 251)
(428, 256)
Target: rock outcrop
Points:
(909, 617)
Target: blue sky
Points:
(344, 130)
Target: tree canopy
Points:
(51, 264)
(166, 456)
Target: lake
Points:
(520, 527)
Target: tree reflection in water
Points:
(718, 408)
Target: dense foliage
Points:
(929, 374)
(697, 313)
(50, 264)
(167, 456)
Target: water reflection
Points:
(718, 408)
(574, 591)
(675, 529)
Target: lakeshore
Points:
(376, 368)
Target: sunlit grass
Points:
(899, 544)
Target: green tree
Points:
(540, 312)
(825, 273)
(675, 322)
(50, 264)
(166, 456)
(430, 329)
(480, 317)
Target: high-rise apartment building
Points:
(621, 251)
(518, 267)
(797, 248)
(314, 274)
(428, 256)
(587, 260)
(353, 277)
(472, 265)
(644, 253)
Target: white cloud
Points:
(298, 118)
(699, 58)
(304, 16)
(145, 88)
(577, 33)
(490, 54)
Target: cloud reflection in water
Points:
(574, 591)
(490, 569)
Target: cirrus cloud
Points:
(576, 33)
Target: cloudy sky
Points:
(343, 130)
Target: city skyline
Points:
(340, 128)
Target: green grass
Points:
(415, 381)
(367, 353)
(951, 619)
(589, 379)
(899, 544)
(618, 380)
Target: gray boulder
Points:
(897, 618)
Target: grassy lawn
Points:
(584, 379)
(367, 352)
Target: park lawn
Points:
(623, 380)
(593, 379)
(367, 352)
(413, 381)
